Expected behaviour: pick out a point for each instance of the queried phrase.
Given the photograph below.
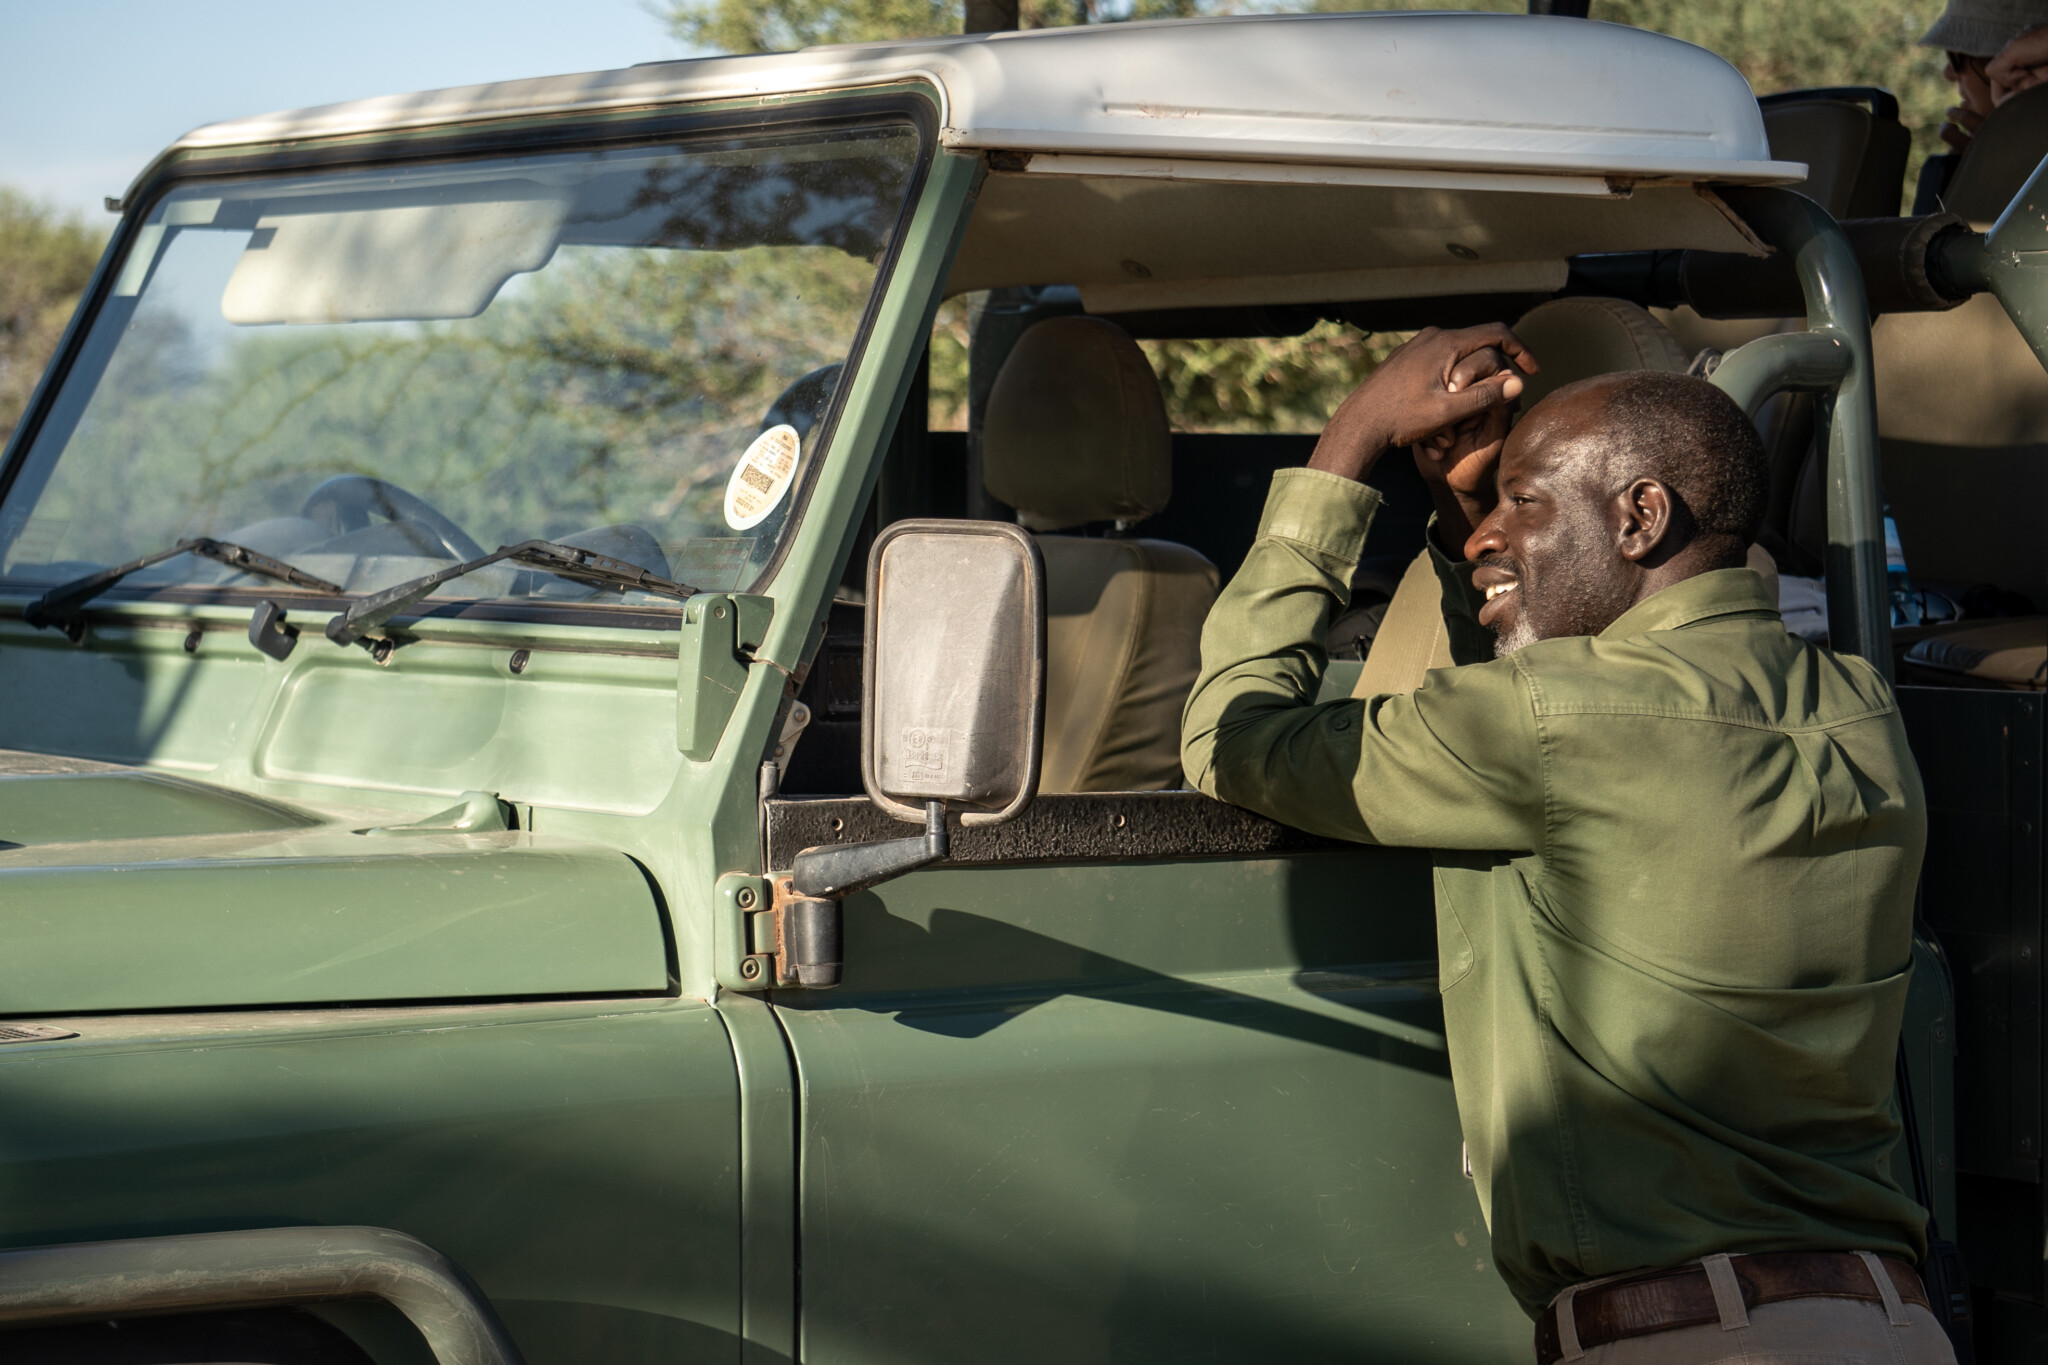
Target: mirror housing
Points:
(953, 697)
(954, 675)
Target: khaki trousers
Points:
(1793, 1332)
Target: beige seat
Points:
(1076, 434)
(1572, 339)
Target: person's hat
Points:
(1982, 28)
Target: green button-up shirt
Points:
(1674, 883)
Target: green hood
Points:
(127, 890)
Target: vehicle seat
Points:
(1852, 143)
(1962, 404)
(1854, 149)
(2003, 153)
(1076, 435)
(1572, 339)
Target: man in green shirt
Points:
(1675, 852)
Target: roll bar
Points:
(1832, 357)
(261, 1267)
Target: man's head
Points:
(1610, 490)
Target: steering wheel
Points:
(346, 503)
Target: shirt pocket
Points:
(1454, 955)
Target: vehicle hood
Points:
(127, 890)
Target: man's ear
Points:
(1645, 514)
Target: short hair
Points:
(1696, 441)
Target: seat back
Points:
(1852, 143)
(1572, 339)
(1076, 434)
(2000, 157)
(1854, 148)
(1962, 421)
(1962, 404)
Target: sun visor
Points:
(324, 260)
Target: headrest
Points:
(1575, 339)
(1855, 160)
(1076, 430)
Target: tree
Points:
(779, 25)
(45, 261)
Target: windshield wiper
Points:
(62, 605)
(586, 566)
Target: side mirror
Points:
(954, 706)
(952, 715)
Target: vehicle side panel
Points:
(579, 1161)
(1181, 1110)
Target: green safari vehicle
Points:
(546, 814)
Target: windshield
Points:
(369, 375)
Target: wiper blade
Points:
(602, 571)
(61, 605)
(586, 566)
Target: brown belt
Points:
(1662, 1300)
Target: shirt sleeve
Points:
(1456, 764)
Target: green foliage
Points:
(1816, 42)
(617, 386)
(779, 25)
(45, 261)
(1265, 383)
(1782, 46)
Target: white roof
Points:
(1498, 92)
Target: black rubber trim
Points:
(1083, 827)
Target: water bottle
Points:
(1905, 600)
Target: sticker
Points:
(761, 478)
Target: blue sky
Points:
(90, 90)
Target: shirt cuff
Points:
(1322, 512)
(1446, 567)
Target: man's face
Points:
(1547, 557)
(1973, 86)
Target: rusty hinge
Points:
(769, 938)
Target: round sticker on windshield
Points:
(762, 477)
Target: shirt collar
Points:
(1718, 592)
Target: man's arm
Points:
(1457, 763)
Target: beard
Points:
(1518, 636)
(1574, 590)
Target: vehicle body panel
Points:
(1162, 1109)
(579, 1161)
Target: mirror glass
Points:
(956, 669)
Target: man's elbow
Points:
(1198, 758)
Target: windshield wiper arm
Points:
(61, 605)
(586, 566)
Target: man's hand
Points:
(1435, 383)
(1459, 463)
(2020, 65)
